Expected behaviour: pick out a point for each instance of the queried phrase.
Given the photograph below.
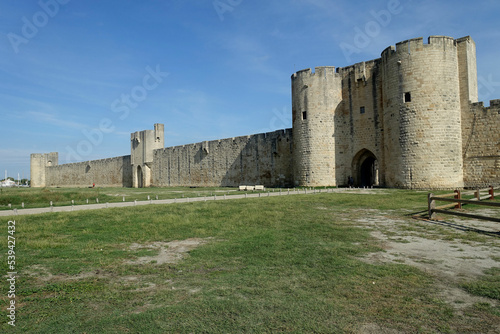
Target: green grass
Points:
(487, 286)
(278, 264)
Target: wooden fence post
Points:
(492, 193)
(478, 197)
(458, 196)
(431, 204)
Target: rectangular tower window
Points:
(362, 110)
(304, 115)
(407, 97)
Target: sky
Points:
(77, 77)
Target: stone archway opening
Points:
(140, 182)
(365, 169)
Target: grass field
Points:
(279, 264)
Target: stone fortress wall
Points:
(264, 158)
(111, 172)
(409, 119)
(481, 145)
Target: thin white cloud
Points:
(53, 119)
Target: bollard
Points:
(123, 199)
(87, 201)
(72, 202)
(22, 205)
(156, 197)
(50, 203)
(10, 205)
(135, 202)
(97, 200)
(149, 197)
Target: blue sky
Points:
(77, 77)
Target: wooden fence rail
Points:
(457, 203)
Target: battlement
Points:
(465, 39)
(494, 105)
(417, 44)
(318, 71)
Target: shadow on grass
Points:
(456, 226)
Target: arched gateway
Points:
(365, 168)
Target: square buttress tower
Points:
(143, 144)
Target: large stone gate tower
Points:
(395, 121)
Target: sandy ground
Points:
(440, 249)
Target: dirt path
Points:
(452, 251)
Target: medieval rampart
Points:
(112, 172)
(409, 119)
(481, 145)
(264, 158)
